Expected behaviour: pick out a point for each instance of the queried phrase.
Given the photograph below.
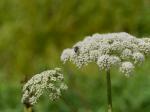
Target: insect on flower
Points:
(76, 49)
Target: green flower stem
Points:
(109, 97)
(28, 109)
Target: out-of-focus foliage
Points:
(33, 34)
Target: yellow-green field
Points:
(33, 34)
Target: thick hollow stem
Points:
(109, 98)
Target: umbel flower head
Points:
(50, 81)
(109, 50)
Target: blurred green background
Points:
(33, 34)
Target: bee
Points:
(76, 49)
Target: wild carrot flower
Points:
(120, 49)
(50, 81)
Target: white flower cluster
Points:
(127, 68)
(120, 49)
(51, 81)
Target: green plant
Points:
(120, 50)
